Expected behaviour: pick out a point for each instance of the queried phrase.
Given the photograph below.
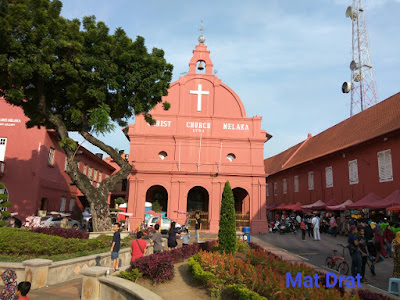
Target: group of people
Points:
(370, 243)
(13, 290)
(139, 245)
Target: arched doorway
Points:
(158, 193)
(198, 200)
(242, 207)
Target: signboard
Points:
(9, 122)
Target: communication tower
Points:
(361, 86)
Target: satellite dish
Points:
(349, 10)
(350, 13)
(353, 65)
(346, 87)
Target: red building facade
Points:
(347, 161)
(34, 164)
(202, 141)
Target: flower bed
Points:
(159, 267)
(67, 233)
(259, 275)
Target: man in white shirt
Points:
(315, 223)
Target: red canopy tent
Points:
(282, 207)
(392, 200)
(369, 201)
(342, 206)
(331, 202)
(315, 205)
(295, 207)
(272, 206)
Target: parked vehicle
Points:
(51, 221)
(165, 223)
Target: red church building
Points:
(347, 161)
(32, 167)
(202, 141)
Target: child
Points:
(185, 237)
(22, 290)
(9, 278)
(116, 243)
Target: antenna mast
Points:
(362, 86)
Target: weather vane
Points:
(202, 39)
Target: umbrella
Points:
(342, 206)
(295, 207)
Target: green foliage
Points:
(227, 222)
(242, 246)
(68, 143)
(156, 206)
(4, 204)
(22, 242)
(132, 276)
(120, 200)
(87, 76)
(206, 277)
(166, 105)
(241, 292)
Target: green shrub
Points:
(156, 206)
(241, 292)
(22, 242)
(227, 222)
(132, 275)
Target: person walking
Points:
(115, 246)
(388, 237)
(303, 229)
(364, 252)
(156, 240)
(172, 243)
(309, 226)
(379, 238)
(333, 225)
(355, 253)
(197, 227)
(315, 223)
(9, 278)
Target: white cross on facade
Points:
(199, 92)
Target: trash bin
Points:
(246, 234)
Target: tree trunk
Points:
(100, 215)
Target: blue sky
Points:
(285, 59)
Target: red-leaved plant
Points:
(68, 233)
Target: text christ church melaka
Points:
(202, 141)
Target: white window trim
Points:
(71, 204)
(296, 184)
(52, 154)
(267, 189)
(3, 147)
(275, 189)
(353, 172)
(310, 180)
(385, 167)
(329, 177)
(284, 186)
(63, 203)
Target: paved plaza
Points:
(315, 253)
(285, 246)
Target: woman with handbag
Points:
(138, 246)
(172, 243)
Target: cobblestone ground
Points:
(315, 253)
